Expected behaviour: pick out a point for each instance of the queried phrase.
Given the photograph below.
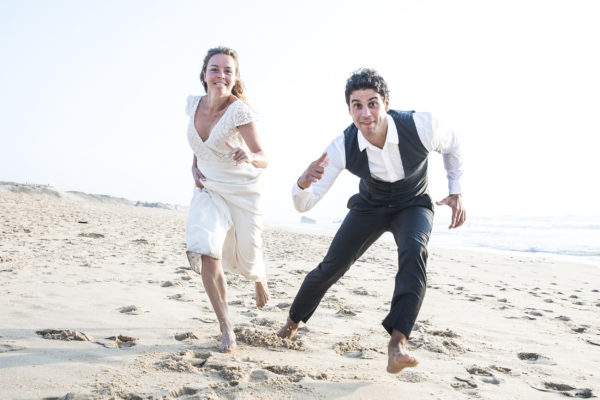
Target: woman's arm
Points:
(257, 156)
(198, 177)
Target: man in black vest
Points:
(388, 151)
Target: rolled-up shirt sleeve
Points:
(435, 136)
(305, 199)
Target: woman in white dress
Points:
(224, 226)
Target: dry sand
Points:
(97, 301)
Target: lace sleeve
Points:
(191, 103)
(243, 114)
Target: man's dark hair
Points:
(366, 78)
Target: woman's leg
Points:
(215, 286)
(249, 257)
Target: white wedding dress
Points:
(225, 219)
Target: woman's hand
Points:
(256, 156)
(197, 175)
(239, 155)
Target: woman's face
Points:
(220, 74)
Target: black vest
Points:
(410, 191)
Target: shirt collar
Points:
(391, 136)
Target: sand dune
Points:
(97, 301)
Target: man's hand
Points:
(198, 177)
(459, 214)
(314, 172)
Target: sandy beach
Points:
(97, 301)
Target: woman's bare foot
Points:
(288, 330)
(262, 293)
(228, 343)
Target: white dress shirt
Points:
(386, 164)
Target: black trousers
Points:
(411, 228)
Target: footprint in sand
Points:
(283, 306)
(292, 373)
(345, 312)
(206, 320)
(529, 356)
(412, 377)
(186, 335)
(120, 341)
(184, 391)
(485, 374)
(299, 272)
(6, 347)
(535, 313)
(354, 349)
(131, 310)
(535, 358)
(91, 235)
(64, 334)
(464, 383)
(563, 318)
(269, 323)
(257, 338)
(234, 374)
(482, 371)
(185, 361)
(180, 297)
(363, 292)
(504, 370)
(438, 344)
(565, 390)
(170, 284)
(445, 333)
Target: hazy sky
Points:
(92, 93)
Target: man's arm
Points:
(320, 175)
(437, 137)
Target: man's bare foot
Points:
(288, 330)
(228, 343)
(398, 356)
(398, 359)
(262, 293)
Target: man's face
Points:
(369, 112)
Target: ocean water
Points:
(576, 238)
(572, 236)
